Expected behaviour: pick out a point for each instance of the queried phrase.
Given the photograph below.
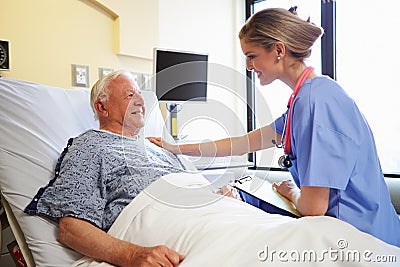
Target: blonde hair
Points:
(99, 90)
(270, 25)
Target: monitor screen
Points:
(180, 76)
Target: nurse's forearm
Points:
(253, 141)
(220, 148)
(310, 200)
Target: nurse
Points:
(330, 148)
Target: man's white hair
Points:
(99, 89)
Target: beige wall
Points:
(47, 36)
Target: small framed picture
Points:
(104, 71)
(138, 77)
(147, 81)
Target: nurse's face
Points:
(261, 61)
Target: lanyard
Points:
(287, 146)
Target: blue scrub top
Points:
(333, 146)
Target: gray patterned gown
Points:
(98, 174)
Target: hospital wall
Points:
(47, 36)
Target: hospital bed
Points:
(37, 120)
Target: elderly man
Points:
(100, 172)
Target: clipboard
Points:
(263, 190)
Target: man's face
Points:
(125, 105)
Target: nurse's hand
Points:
(161, 143)
(288, 189)
(229, 191)
(309, 200)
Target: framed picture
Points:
(4, 55)
(104, 71)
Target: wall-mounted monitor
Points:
(180, 76)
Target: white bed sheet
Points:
(183, 212)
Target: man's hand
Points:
(91, 241)
(156, 256)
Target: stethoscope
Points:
(285, 161)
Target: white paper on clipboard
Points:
(263, 190)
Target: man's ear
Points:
(280, 49)
(101, 110)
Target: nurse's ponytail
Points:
(277, 24)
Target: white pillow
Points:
(35, 124)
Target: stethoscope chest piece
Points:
(285, 162)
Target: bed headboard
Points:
(35, 123)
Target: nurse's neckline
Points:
(311, 76)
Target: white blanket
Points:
(183, 212)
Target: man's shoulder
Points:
(86, 139)
(91, 134)
(94, 140)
